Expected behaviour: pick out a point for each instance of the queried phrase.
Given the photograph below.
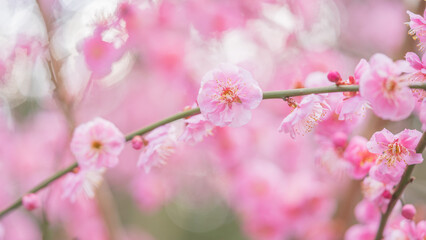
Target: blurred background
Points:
(64, 62)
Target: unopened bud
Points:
(31, 201)
(334, 77)
(408, 211)
(137, 142)
(386, 194)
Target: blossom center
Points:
(394, 153)
(97, 145)
(229, 95)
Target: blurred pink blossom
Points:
(82, 183)
(359, 157)
(161, 144)
(99, 55)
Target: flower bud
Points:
(334, 77)
(386, 194)
(137, 142)
(408, 211)
(31, 201)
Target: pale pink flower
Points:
(227, 95)
(305, 116)
(383, 87)
(330, 160)
(31, 201)
(360, 231)
(367, 212)
(357, 154)
(408, 229)
(161, 144)
(196, 128)
(353, 104)
(395, 152)
(82, 183)
(97, 143)
(417, 25)
(99, 55)
(417, 73)
(374, 190)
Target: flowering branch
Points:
(266, 95)
(405, 180)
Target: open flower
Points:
(389, 96)
(196, 128)
(99, 55)
(82, 182)
(161, 143)
(395, 152)
(227, 95)
(417, 73)
(305, 116)
(417, 25)
(353, 104)
(97, 143)
(359, 157)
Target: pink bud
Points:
(137, 142)
(31, 201)
(386, 194)
(334, 77)
(408, 211)
(340, 139)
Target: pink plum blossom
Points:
(394, 153)
(367, 212)
(417, 72)
(31, 201)
(161, 144)
(196, 128)
(360, 231)
(227, 95)
(359, 157)
(99, 55)
(97, 143)
(384, 88)
(81, 183)
(408, 229)
(417, 25)
(377, 192)
(311, 110)
(353, 104)
(372, 189)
